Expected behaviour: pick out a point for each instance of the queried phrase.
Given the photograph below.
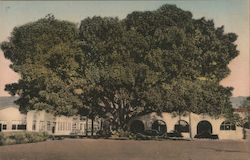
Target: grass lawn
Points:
(90, 149)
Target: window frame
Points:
(4, 126)
(227, 126)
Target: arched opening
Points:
(182, 126)
(226, 125)
(204, 128)
(159, 126)
(137, 126)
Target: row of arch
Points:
(204, 126)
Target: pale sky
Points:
(233, 14)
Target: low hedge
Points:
(22, 137)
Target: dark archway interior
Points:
(137, 126)
(182, 126)
(160, 126)
(204, 127)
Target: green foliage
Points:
(246, 103)
(22, 137)
(44, 53)
(162, 60)
(120, 133)
(159, 61)
(243, 120)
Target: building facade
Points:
(12, 120)
(189, 126)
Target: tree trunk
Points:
(101, 125)
(190, 124)
(87, 123)
(92, 127)
(244, 132)
(179, 114)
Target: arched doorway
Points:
(137, 126)
(182, 126)
(160, 126)
(204, 127)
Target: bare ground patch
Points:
(90, 149)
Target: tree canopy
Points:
(151, 61)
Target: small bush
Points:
(36, 137)
(122, 134)
(2, 138)
(19, 137)
(103, 134)
(9, 141)
(22, 137)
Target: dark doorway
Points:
(137, 126)
(0, 127)
(53, 129)
(204, 127)
(182, 126)
(160, 126)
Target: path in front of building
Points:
(89, 149)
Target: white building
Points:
(189, 126)
(40, 121)
(10, 117)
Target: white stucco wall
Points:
(62, 125)
(67, 125)
(40, 120)
(11, 115)
(171, 121)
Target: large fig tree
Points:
(150, 61)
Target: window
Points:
(81, 126)
(59, 126)
(34, 126)
(14, 127)
(21, 127)
(182, 126)
(4, 126)
(48, 126)
(226, 125)
(41, 126)
(69, 126)
(74, 126)
(64, 126)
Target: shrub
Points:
(19, 137)
(120, 133)
(36, 137)
(2, 138)
(103, 133)
(22, 137)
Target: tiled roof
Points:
(6, 102)
(241, 110)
